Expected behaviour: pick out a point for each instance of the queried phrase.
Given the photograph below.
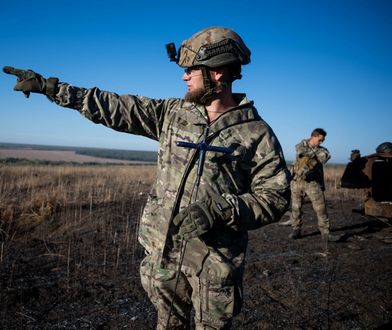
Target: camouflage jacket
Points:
(253, 178)
(317, 155)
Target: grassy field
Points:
(69, 256)
(72, 195)
(35, 193)
(33, 152)
(30, 194)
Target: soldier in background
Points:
(240, 191)
(355, 155)
(308, 178)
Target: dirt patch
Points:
(307, 284)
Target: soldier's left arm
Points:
(269, 194)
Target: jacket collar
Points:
(244, 112)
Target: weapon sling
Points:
(202, 147)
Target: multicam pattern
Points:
(308, 178)
(316, 157)
(216, 293)
(253, 179)
(313, 190)
(190, 52)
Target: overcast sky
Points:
(314, 64)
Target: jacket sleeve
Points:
(303, 149)
(322, 155)
(269, 195)
(126, 113)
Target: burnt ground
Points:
(86, 277)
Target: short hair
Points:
(319, 131)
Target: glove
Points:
(303, 166)
(29, 81)
(199, 217)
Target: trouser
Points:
(215, 294)
(316, 195)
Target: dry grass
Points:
(70, 232)
(32, 194)
(53, 202)
(35, 192)
(90, 198)
(332, 175)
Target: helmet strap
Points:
(208, 85)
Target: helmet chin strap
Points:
(210, 87)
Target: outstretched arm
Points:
(126, 113)
(29, 81)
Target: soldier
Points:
(195, 245)
(308, 178)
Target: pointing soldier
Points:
(194, 227)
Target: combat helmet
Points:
(385, 147)
(213, 47)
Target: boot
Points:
(295, 234)
(285, 223)
(334, 238)
(328, 237)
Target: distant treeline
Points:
(132, 155)
(25, 161)
(143, 156)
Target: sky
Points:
(314, 63)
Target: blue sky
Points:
(315, 63)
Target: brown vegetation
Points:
(57, 156)
(69, 257)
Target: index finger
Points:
(16, 72)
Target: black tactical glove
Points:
(29, 81)
(199, 217)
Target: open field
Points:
(58, 156)
(69, 257)
(54, 155)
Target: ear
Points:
(217, 74)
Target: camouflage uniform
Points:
(308, 178)
(253, 179)
(251, 184)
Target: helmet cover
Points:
(213, 47)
